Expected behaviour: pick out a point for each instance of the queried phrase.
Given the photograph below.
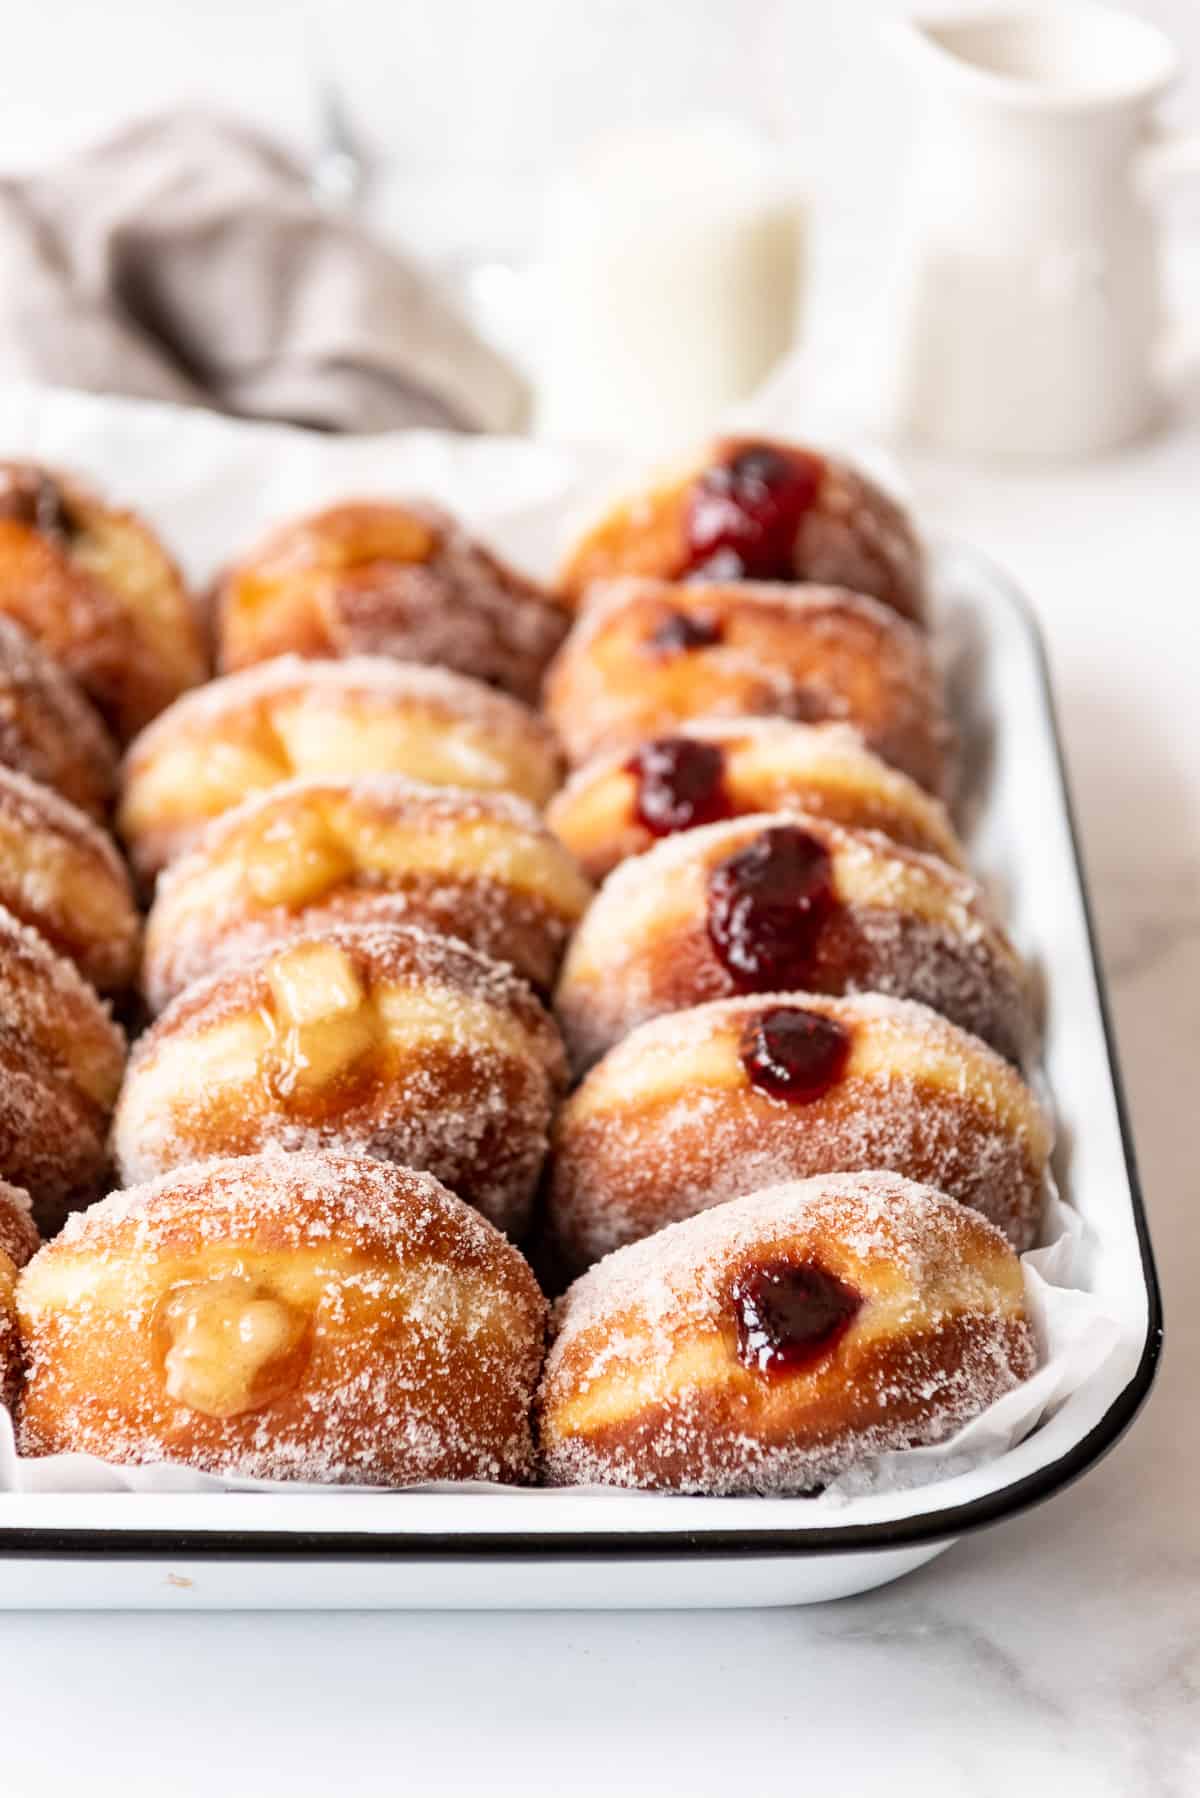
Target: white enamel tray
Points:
(478, 1549)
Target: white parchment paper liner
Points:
(211, 484)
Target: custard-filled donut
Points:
(302, 1317)
(48, 730)
(787, 903)
(381, 1039)
(289, 718)
(384, 579)
(61, 1058)
(701, 1105)
(618, 805)
(94, 585)
(645, 657)
(60, 873)
(362, 849)
(772, 1343)
(19, 1241)
(749, 509)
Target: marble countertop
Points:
(1056, 1652)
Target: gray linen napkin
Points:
(185, 259)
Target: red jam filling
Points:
(686, 630)
(768, 904)
(790, 1316)
(743, 514)
(794, 1054)
(680, 783)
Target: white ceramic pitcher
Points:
(1025, 314)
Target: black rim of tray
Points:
(942, 1525)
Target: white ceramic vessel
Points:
(1024, 316)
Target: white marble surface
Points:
(1059, 1652)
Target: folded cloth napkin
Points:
(186, 259)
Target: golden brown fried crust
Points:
(644, 946)
(854, 535)
(287, 718)
(670, 1122)
(416, 1329)
(19, 1237)
(811, 654)
(766, 765)
(61, 1058)
(648, 1382)
(48, 730)
(397, 580)
(359, 850)
(60, 874)
(464, 1085)
(96, 588)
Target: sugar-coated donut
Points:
(96, 588)
(60, 874)
(366, 715)
(646, 656)
(787, 903)
(361, 849)
(19, 1241)
(297, 1317)
(376, 578)
(381, 1039)
(772, 1343)
(696, 1107)
(618, 805)
(48, 730)
(748, 508)
(61, 1058)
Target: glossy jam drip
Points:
(767, 907)
(680, 783)
(743, 514)
(30, 497)
(790, 1316)
(794, 1054)
(686, 630)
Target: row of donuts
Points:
(317, 826)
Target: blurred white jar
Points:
(671, 284)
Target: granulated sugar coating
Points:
(48, 730)
(365, 848)
(671, 1122)
(61, 874)
(384, 1039)
(310, 1317)
(61, 1058)
(19, 1238)
(899, 922)
(644, 1385)
(290, 717)
(812, 654)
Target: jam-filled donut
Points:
(96, 588)
(48, 730)
(645, 656)
(288, 718)
(360, 849)
(61, 1058)
(382, 1039)
(749, 509)
(701, 1105)
(60, 873)
(772, 1343)
(304, 1317)
(618, 805)
(778, 903)
(19, 1241)
(384, 579)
